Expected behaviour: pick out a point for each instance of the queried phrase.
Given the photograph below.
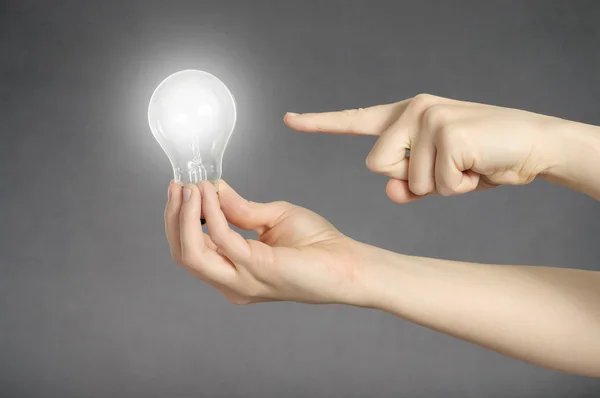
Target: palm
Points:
(305, 252)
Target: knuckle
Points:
(444, 190)
(371, 163)
(183, 214)
(422, 101)
(220, 239)
(436, 116)
(350, 112)
(280, 210)
(170, 212)
(421, 185)
(283, 204)
(419, 188)
(285, 209)
(359, 113)
(375, 164)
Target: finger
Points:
(363, 121)
(231, 244)
(229, 293)
(190, 230)
(421, 169)
(388, 155)
(398, 191)
(416, 133)
(209, 243)
(194, 251)
(434, 124)
(416, 130)
(172, 220)
(450, 179)
(250, 215)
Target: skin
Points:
(546, 316)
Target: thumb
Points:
(248, 215)
(362, 121)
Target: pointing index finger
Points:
(363, 121)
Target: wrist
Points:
(574, 155)
(379, 274)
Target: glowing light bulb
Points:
(192, 116)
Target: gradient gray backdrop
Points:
(91, 304)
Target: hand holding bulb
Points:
(299, 256)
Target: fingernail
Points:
(292, 114)
(186, 194)
(169, 194)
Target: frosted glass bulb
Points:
(192, 116)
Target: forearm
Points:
(546, 316)
(576, 148)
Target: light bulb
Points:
(192, 116)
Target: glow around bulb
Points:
(192, 116)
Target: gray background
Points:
(91, 304)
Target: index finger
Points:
(172, 220)
(362, 121)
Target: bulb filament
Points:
(196, 169)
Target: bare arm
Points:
(578, 150)
(546, 316)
